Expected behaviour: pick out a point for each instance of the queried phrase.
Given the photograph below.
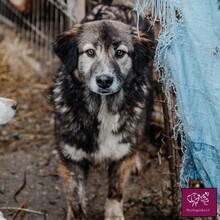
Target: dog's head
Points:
(102, 54)
(7, 110)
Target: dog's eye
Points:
(90, 53)
(120, 53)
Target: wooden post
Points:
(172, 155)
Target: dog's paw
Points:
(71, 216)
(114, 210)
(115, 218)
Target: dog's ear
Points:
(144, 49)
(66, 48)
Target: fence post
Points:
(172, 153)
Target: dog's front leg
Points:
(74, 177)
(118, 174)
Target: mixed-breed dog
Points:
(102, 96)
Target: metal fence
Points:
(39, 22)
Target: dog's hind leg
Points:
(74, 178)
(119, 172)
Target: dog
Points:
(7, 110)
(100, 96)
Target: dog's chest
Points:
(109, 140)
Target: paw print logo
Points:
(195, 198)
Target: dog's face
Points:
(105, 57)
(102, 54)
(7, 110)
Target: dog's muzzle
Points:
(104, 84)
(104, 81)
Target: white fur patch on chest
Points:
(109, 142)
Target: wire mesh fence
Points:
(39, 22)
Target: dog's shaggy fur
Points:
(100, 97)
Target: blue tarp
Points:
(189, 52)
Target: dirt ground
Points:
(28, 157)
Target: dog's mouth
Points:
(106, 91)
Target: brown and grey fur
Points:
(95, 124)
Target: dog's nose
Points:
(12, 103)
(104, 81)
(14, 107)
